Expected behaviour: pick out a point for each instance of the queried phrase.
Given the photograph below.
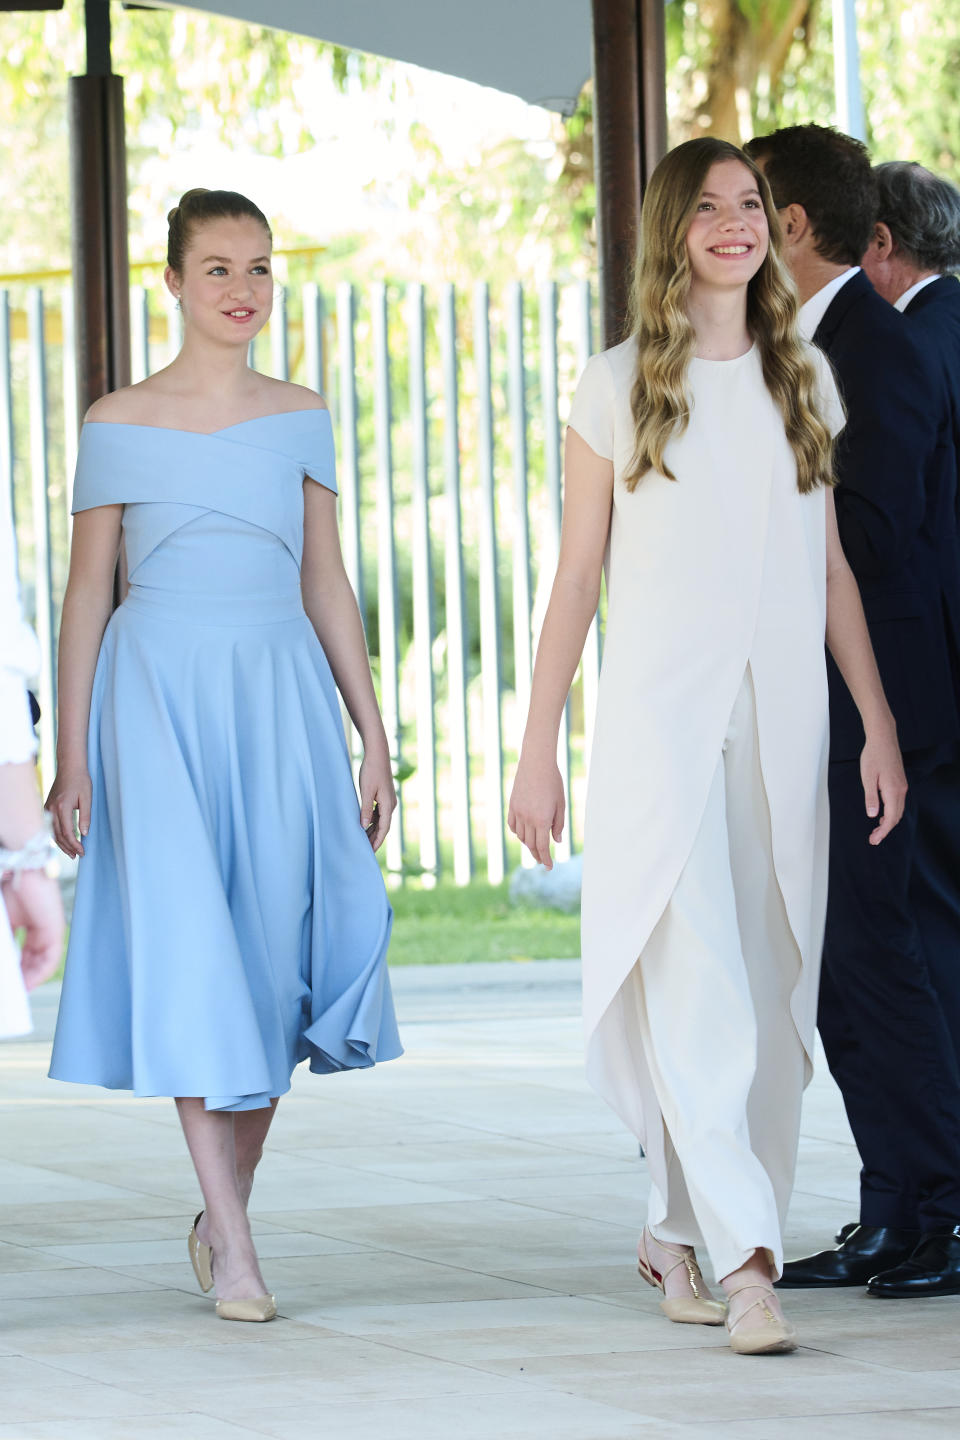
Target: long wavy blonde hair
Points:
(665, 337)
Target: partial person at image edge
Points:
(893, 919)
(29, 898)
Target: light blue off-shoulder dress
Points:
(230, 917)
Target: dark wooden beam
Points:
(98, 208)
(96, 16)
(630, 130)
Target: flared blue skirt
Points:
(230, 917)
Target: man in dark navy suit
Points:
(911, 260)
(882, 1015)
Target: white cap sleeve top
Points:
(592, 411)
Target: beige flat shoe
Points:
(201, 1258)
(692, 1309)
(772, 1336)
(259, 1309)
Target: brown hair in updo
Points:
(196, 208)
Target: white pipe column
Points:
(848, 102)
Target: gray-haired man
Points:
(916, 244)
(910, 260)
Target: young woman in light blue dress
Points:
(230, 917)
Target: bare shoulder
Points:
(128, 406)
(283, 396)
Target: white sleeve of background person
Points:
(18, 657)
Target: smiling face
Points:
(728, 236)
(226, 287)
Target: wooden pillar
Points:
(98, 212)
(630, 129)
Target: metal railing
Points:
(447, 410)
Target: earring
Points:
(179, 306)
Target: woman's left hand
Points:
(884, 781)
(33, 905)
(378, 796)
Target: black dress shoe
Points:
(932, 1269)
(846, 1231)
(868, 1250)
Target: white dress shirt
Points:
(813, 310)
(18, 659)
(18, 656)
(908, 295)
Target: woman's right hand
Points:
(537, 806)
(70, 797)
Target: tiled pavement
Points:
(450, 1238)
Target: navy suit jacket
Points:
(897, 505)
(933, 318)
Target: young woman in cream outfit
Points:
(698, 465)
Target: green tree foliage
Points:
(521, 209)
(36, 53)
(729, 62)
(743, 67)
(738, 68)
(735, 68)
(911, 63)
(181, 71)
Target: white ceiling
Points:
(538, 49)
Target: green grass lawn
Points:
(452, 924)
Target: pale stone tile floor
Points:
(451, 1239)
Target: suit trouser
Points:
(712, 993)
(889, 1012)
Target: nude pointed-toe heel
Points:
(201, 1258)
(773, 1337)
(259, 1309)
(692, 1309)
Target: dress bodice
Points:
(213, 524)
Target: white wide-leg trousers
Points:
(712, 993)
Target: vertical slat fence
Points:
(314, 358)
(522, 656)
(71, 418)
(454, 598)
(6, 406)
(349, 459)
(490, 644)
(387, 606)
(42, 558)
(279, 348)
(140, 333)
(522, 587)
(426, 772)
(551, 465)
